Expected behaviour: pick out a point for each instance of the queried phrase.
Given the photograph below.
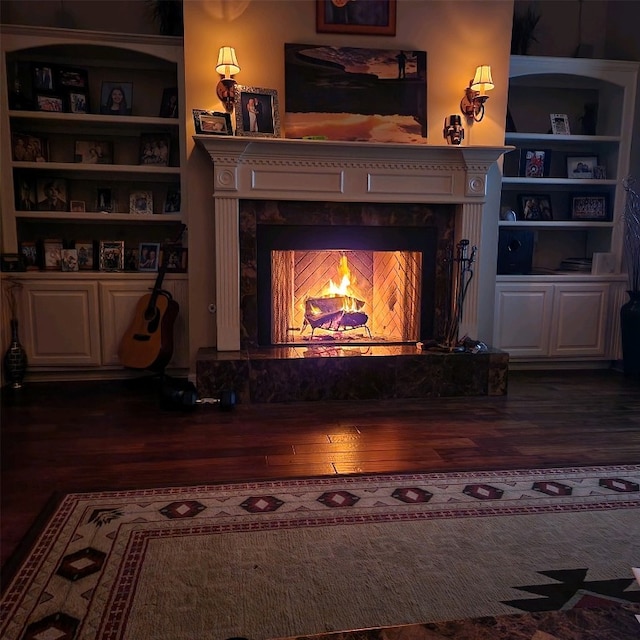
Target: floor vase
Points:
(630, 327)
(15, 359)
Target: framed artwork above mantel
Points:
(368, 17)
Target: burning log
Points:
(336, 313)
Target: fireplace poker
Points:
(462, 279)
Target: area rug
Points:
(306, 557)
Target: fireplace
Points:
(293, 215)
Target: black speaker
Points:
(515, 252)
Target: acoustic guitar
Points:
(148, 342)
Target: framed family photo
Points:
(85, 249)
(72, 78)
(590, 206)
(173, 258)
(148, 254)
(581, 167)
(141, 203)
(116, 98)
(257, 112)
(214, 123)
(78, 102)
(560, 124)
(93, 152)
(29, 148)
(49, 103)
(111, 255)
(154, 149)
(373, 17)
(535, 207)
(169, 103)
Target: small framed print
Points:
(169, 104)
(560, 124)
(28, 148)
(93, 152)
(590, 206)
(141, 202)
(599, 172)
(364, 18)
(148, 255)
(154, 149)
(172, 203)
(86, 250)
(77, 206)
(173, 258)
(214, 123)
(52, 194)
(69, 260)
(111, 255)
(49, 103)
(72, 78)
(104, 201)
(43, 77)
(257, 112)
(29, 251)
(581, 167)
(131, 258)
(78, 102)
(535, 163)
(12, 262)
(116, 98)
(535, 206)
(52, 254)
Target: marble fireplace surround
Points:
(279, 173)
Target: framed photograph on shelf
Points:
(141, 202)
(148, 254)
(72, 78)
(599, 172)
(49, 103)
(169, 104)
(174, 258)
(535, 163)
(104, 200)
(374, 17)
(77, 102)
(69, 260)
(85, 249)
(77, 206)
(111, 255)
(560, 124)
(214, 123)
(52, 253)
(43, 77)
(154, 149)
(28, 148)
(131, 258)
(535, 207)
(173, 201)
(93, 152)
(52, 194)
(25, 191)
(590, 206)
(581, 167)
(12, 262)
(116, 98)
(257, 112)
(30, 259)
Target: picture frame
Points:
(93, 152)
(52, 253)
(599, 172)
(116, 98)
(25, 192)
(141, 203)
(77, 206)
(77, 102)
(265, 122)
(590, 207)
(29, 148)
(154, 149)
(104, 200)
(12, 262)
(43, 77)
(51, 194)
(326, 98)
(69, 260)
(72, 77)
(148, 256)
(29, 252)
(560, 124)
(214, 123)
(49, 103)
(169, 104)
(174, 258)
(581, 167)
(173, 200)
(535, 207)
(111, 256)
(535, 163)
(131, 258)
(86, 252)
(374, 17)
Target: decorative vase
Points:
(630, 326)
(15, 359)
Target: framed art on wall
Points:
(373, 17)
(257, 112)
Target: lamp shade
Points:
(482, 81)
(227, 62)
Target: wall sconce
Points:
(472, 104)
(227, 67)
(453, 131)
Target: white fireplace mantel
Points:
(331, 171)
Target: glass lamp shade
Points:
(482, 81)
(227, 62)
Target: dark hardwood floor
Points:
(62, 437)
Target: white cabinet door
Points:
(579, 320)
(61, 323)
(523, 318)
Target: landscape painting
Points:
(355, 94)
